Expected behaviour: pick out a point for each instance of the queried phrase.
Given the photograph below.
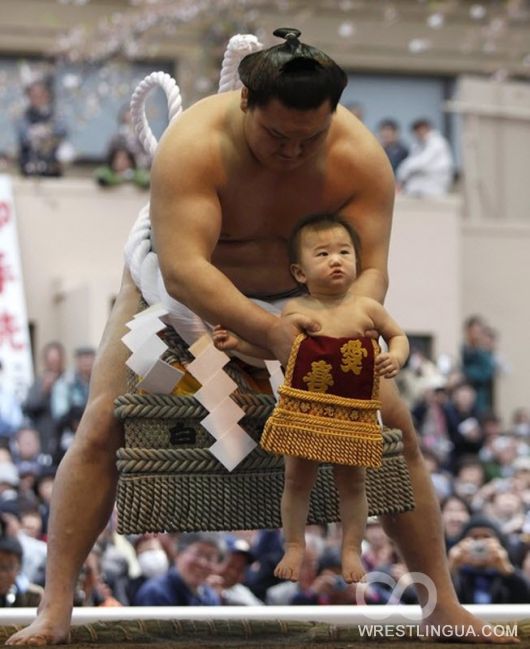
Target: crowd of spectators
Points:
(480, 468)
(426, 169)
(44, 148)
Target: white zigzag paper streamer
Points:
(233, 443)
(156, 375)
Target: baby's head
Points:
(319, 237)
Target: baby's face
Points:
(327, 260)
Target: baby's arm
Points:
(228, 341)
(389, 363)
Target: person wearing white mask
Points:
(153, 561)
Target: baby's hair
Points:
(319, 222)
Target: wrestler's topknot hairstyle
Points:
(318, 222)
(299, 75)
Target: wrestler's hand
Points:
(282, 334)
(224, 339)
(387, 365)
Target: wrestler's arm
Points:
(186, 220)
(370, 212)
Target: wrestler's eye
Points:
(314, 137)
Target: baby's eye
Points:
(345, 252)
(322, 253)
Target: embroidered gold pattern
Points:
(319, 379)
(352, 356)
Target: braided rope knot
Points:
(238, 47)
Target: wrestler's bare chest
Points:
(259, 214)
(269, 206)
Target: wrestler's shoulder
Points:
(199, 137)
(206, 119)
(353, 143)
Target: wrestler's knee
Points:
(99, 430)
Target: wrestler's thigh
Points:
(396, 414)
(109, 376)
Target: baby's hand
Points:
(387, 365)
(224, 339)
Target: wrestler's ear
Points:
(298, 273)
(244, 99)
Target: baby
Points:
(328, 409)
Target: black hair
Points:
(388, 123)
(322, 221)
(117, 148)
(423, 122)
(299, 75)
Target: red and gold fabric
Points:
(329, 403)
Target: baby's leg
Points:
(300, 476)
(353, 509)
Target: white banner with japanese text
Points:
(15, 351)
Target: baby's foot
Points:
(352, 567)
(289, 566)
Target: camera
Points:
(479, 549)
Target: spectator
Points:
(431, 424)
(388, 134)
(15, 590)
(268, 549)
(9, 481)
(463, 427)
(478, 363)
(40, 133)
(43, 489)
(377, 548)
(229, 575)
(37, 405)
(521, 423)
(26, 450)
(71, 390)
(428, 170)
(506, 509)
(92, 589)
(441, 479)
(456, 512)
(121, 168)
(520, 482)
(481, 568)
(34, 550)
(10, 411)
(470, 477)
(185, 583)
(505, 451)
(127, 138)
(153, 561)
